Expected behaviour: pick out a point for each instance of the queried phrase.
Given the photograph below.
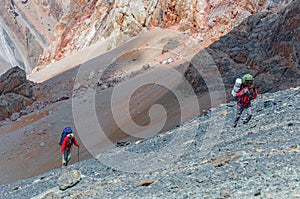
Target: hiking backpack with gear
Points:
(66, 131)
(240, 84)
(236, 87)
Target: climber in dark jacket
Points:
(245, 95)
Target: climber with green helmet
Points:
(247, 79)
(246, 93)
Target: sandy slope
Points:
(29, 147)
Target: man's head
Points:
(71, 135)
(247, 80)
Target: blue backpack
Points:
(66, 131)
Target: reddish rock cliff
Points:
(47, 31)
(265, 44)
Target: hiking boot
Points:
(234, 125)
(247, 120)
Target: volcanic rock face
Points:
(265, 44)
(202, 157)
(16, 93)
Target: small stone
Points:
(42, 144)
(230, 105)
(115, 181)
(245, 157)
(87, 21)
(63, 95)
(170, 60)
(225, 193)
(258, 193)
(23, 112)
(15, 116)
(120, 144)
(146, 67)
(16, 188)
(91, 75)
(146, 183)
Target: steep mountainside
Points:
(35, 132)
(35, 129)
(265, 44)
(202, 158)
(27, 28)
(38, 32)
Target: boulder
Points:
(62, 95)
(25, 89)
(12, 79)
(16, 92)
(11, 103)
(68, 179)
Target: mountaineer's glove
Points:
(246, 91)
(251, 96)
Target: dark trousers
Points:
(239, 112)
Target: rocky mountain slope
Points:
(36, 129)
(265, 44)
(39, 32)
(202, 158)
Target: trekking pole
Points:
(78, 153)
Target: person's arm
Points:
(255, 94)
(75, 142)
(242, 92)
(253, 91)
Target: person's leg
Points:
(248, 115)
(68, 156)
(239, 112)
(63, 159)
